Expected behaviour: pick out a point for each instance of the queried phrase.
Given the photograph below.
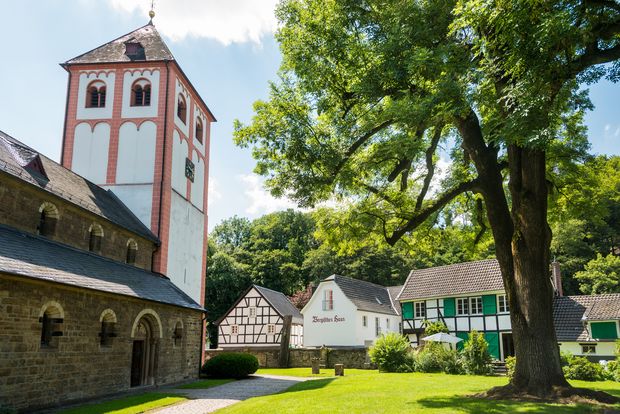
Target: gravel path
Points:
(212, 399)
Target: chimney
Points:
(556, 277)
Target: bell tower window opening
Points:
(95, 237)
(141, 93)
(182, 109)
(95, 95)
(132, 250)
(199, 130)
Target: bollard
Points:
(339, 370)
(315, 366)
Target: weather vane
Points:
(152, 12)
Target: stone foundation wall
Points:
(302, 357)
(76, 366)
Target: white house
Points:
(349, 312)
(257, 319)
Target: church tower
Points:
(135, 125)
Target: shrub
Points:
(580, 368)
(436, 358)
(230, 365)
(390, 352)
(612, 371)
(476, 357)
(511, 363)
(431, 328)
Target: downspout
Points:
(64, 127)
(163, 161)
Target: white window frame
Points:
(328, 300)
(476, 310)
(419, 309)
(252, 311)
(271, 329)
(503, 304)
(364, 320)
(234, 330)
(464, 302)
(585, 352)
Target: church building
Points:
(103, 256)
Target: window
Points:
(108, 325)
(502, 304)
(271, 329)
(199, 130)
(182, 109)
(252, 312)
(462, 306)
(134, 51)
(132, 251)
(588, 348)
(141, 93)
(387, 323)
(328, 300)
(177, 335)
(95, 95)
(377, 327)
(47, 219)
(364, 320)
(94, 241)
(420, 310)
(234, 329)
(51, 320)
(476, 306)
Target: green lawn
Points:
(374, 392)
(207, 383)
(128, 405)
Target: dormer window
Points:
(199, 130)
(182, 109)
(95, 95)
(135, 51)
(141, 93)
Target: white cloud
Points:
(227, 21)
(214, 190)
(607, 127)
(617, 133)
(260, 201)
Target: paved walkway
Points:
(212, 399)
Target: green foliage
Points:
(434, 357)
(612, 371)
(579, 368)
(476, 357)
(431, 328)
(390, 352)
(511, 364)
(601, 275)
(230, 365)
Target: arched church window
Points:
(182, 109)
(141, 93)
(132, 251)
(108, 328)
(178, 333)
(95, 95)
(199, 130)
(51, 320)
(48, 216)
(95, 237)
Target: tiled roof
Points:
(36, 257)
(281, 304)
(455, 279)
(365, 295)
(16, 159)
(394, 291)
(570, 314)
(154, 48)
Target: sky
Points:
(226, 48)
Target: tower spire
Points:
(152, 11)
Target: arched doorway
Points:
(144, 352)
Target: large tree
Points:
(372, 92)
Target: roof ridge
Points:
(456, 264)
(361, 280)
(266, 288)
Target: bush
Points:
(431, 328)
(580, 368)
(436, 358)
(475, 354)
(230, 365)
(511, 363)
(390, 352)
(612, 371)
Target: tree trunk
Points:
(538, 367)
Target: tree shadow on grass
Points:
(131, 404)
(313, 384)
(473, 405)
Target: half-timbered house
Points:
(257, 319)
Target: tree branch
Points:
(430, 167)
(595, 56)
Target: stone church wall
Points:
(76, 366)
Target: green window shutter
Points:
(463, 335)
(604, 330)
(492, 339)
(489, 304)
(407, 310)
(448, 307)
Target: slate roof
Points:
(570, 314)
(18, 159)
(36, 257)
(455, 279)
(154, 48)
(394, 291)
(365, 295)
(281, 304)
